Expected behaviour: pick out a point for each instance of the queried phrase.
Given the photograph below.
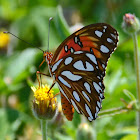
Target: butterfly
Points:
(78, 67)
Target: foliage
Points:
(19, 63)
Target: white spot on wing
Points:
(89, 119)
(98, 77)
(80, 66)
(66, 48)
(71, 76)
(96, 115)
(76, 96)
(88, 111)
(87, 86)
(75, 106)
(97, 87)
(100, 83)
(114, 36)
(64, 81)
(56, 65)
(89, 67)
(78, 52)
(63, 92)
(100, 100)
(91, 57)
(75, 39)
(101, 95)
(109, 40)
(99, 104)
(72, 50)
(103, 65)
(68, 60)
(98, 33)
(104, 49)
(86, 96)
(104, 28)
(97, 109)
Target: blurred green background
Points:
(28, 19)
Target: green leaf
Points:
(61, 24)
(125, 132)
(19, 63)
(130, 137)
(113, 80)
(76, 119)
(9, 123)
(60, 136)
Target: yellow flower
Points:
(4, 39)
(44, 104)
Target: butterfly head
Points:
(47, 56)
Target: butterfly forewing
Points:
(100, 38)
(79, 66)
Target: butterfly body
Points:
(78, 66)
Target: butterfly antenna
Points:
(49, 32)
(7, 32)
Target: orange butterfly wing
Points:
(97, 41)
(89, 38)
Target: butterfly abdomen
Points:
(68, 109)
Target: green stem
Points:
(136, 59)
(113, 111)
(44, 129)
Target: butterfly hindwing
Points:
(81, 82)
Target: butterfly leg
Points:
(51, 86)
(41, 64)
(38, 79)
(40, 67)
(38, 72)
(56, 94)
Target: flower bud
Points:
(85, 132)
(130, 23)
(58, 121)
(44, 104)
